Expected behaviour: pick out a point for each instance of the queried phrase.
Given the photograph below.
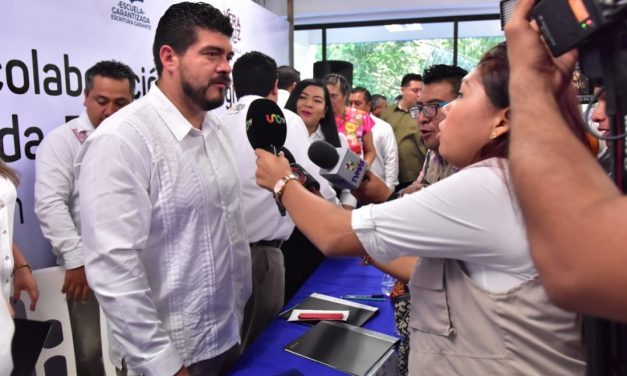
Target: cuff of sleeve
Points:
(166, 363)
(347, 198)
(364, 227)
(73, 259)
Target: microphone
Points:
(266, 126)
(343, 168)
(308, 181)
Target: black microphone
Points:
(266, 126)
(340, 166)
(309, 182)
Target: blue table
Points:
(334, 277)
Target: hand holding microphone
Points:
(270, 169)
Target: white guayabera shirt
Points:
(163, 235)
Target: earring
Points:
(493, 136)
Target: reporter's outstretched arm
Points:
(326, 225)
(400, 268)
(574, 214)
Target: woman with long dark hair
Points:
(478, 304)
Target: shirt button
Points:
(6, 257)
(4, 231)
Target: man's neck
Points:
(403, 106)
(190, 111)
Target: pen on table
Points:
(379, 297)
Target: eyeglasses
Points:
(429, 110)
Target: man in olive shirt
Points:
(411, 151)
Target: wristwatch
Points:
(279, 187)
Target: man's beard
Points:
(198, 94)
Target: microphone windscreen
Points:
(323, 154)
(265, 124)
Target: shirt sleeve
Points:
(390, 161)
(470, 216)
(367, 123)
(54, 184)
(116, 210)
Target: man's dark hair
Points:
(177, 27)
(410, 77)
(254, 73)
(110, 69)
(444, 73)
(361, 89)
(377, 98)
(287, 76)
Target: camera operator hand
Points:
(531, 62)
(569, 204)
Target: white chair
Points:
(52, 306)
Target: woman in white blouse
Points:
(478, 306)
(13, 264)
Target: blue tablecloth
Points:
(334, 277)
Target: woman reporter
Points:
(478, 305)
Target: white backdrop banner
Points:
(45, 49)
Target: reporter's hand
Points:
(23, 280)
(372, 190)
(529, 58)
(413, 187)
(270, 168)
(75, 285)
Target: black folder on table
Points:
(358, 313)
(28, 341)
(347, 348)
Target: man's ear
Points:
(169, 58)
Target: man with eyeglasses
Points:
(411, 151)
(441, 84)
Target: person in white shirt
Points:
(14, 269)
(160, 202)
(478, 305)
(109, 86)
(288, 78)
(385, 164)
(255, 77)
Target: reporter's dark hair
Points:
(110, 69)
(494, 70)
(327, 123)
(254, 73)
(178, 26)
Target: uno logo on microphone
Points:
(275, 118)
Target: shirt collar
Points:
(84, 124)
(174, 120)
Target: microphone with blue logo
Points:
(340, 166)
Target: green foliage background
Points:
(380, 66)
